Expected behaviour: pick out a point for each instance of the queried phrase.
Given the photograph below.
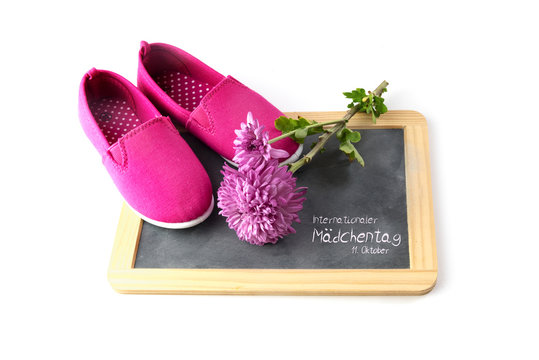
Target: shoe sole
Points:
(181, 225)
(291, 159)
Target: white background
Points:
(469, 67)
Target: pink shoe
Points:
(208, 104)
(155, 170)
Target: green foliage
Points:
(356, 95)
(346, 137)
(299, 128)
(368, 103)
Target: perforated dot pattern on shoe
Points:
(185, 90)
(114, 117)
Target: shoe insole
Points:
(185, 90)
(114, 117)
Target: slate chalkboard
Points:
(353, 218)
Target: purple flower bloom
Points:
(259, 200)
(260, 204)
(251, 145)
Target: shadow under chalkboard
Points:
(352, 218)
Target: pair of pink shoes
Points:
(155, 170)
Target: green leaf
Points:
(315, 130)
(300, 135)
(297, 127)
(356, 95)
(340, 134)
(353, 136)
(302, 122)
(285, 124)
(373, 104)
(359, 158)
(352, 153)
(347, 147)
(361, 93)
(379, 105)
(346, 134)
(346, 137)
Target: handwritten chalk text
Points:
(346, 220)
(327, 235)
(370, 250)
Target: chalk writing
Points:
(344, 220)
(375, 241)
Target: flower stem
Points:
(378, 91)
(285, 135)
(323, 139)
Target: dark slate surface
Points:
(337, 189)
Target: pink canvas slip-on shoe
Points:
(152, 166)
(208, 104)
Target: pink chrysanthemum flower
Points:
(251, 145)
(259, 200)
(260, 205)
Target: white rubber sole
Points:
(291, 159)
(181, 225)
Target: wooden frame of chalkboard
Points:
(419, 279)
